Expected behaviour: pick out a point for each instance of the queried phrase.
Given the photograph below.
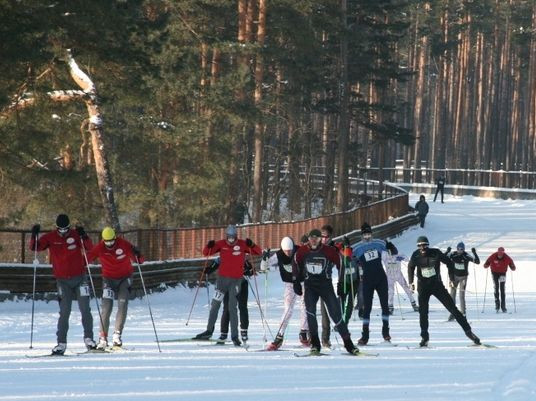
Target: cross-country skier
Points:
(314, 264)
(392, 261)
(427, 261)
(350, 282)
(458, 275)
(368, 254)
(422, 210)
(64, 246)
(242, 300)
(282, 259)
(233, 255)
(116, 256)
(499, 263)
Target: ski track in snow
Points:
(449, 370)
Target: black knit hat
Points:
(366, 228)
(315, 232)
(62, 221)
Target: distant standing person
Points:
(458, 276)
(499, 263)
(427, 261)
(440, 182)
(116, 256)
(422, 210)
(232, 255)
(64, 246)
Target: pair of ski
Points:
(108, 350)
(211, 341)
(482, 345)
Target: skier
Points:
(282, 259)
(422, 210)
(392, 261)
(368, 254)
(64, 246)
(351, 282)
(242, 300)
(458, 276)
(116, 256)
(427, 261)
(499, 262)
(440, 182)
(314, 263)
(232, 253)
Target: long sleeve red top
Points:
(65, 253)
(232, 256)
(116, 261)
(500, 265)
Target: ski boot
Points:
(244, 335)
(222, 337)
(315, 345)
(204, 335)
(59, 349)
(276, 344)
(90, 344)
(472, 337)
(391, 310)
(304, 338)
(364, 336)
(385, 333)
(236, 341)
(415, 306)
(350, 347)
(103, 344)
(424, 340)
(116, 339)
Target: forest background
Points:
(212, 110)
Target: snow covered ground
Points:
(191, 371)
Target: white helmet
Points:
(287, 244)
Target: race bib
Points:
(287, 268)
(371, 254)
(218, 296)
(314, 268)
(349, 270)
(392, 266)
(459, 266)
(84, 290)
(502, 279)
(428, 272)
(108, 293)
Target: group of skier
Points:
(371, 265)
(70, 251)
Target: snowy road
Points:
(191, 371)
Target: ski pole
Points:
(35, 263)
(148, 303)
(485, 290)
(199, 283)
(514, 294)
(476, 290)
(257, 300)
(91, 282)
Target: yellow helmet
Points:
(108, 234)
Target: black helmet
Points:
(391, 248)
(62, 221)
(422, 240)
(366, 228)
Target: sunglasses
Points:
(423, 245)
(63, 230)
(109, 243)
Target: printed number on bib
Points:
(108, 293)
(392, 265)
(218, 295)
(502, 279)
(84, 291)
(371, 254)
(459, 266)
(287, 268)
(350, 270)
(314, 268)
(428, 272)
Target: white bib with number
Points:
(392, 265)
(314, 268)
(349, 270)
(428, 272)
(459, 266)
(84, 291)
(502, 279)
(371, 254)
(287, 268)
(108, 293)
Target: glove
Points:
(473, 250)
(346, 241)
(448, 249)
(340, 289)
(35, 230)
(451, 283)
(213, 266)
(211, 243)
(136, 251)
(266, 254)
(249, 243)
(248, 269)
(81, 232)
(297, 288)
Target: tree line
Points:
(213, 110)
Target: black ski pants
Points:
(499, 284)
(324, 290)
(438, 290)
(242, 298)
(379, 284)
(439, 189)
